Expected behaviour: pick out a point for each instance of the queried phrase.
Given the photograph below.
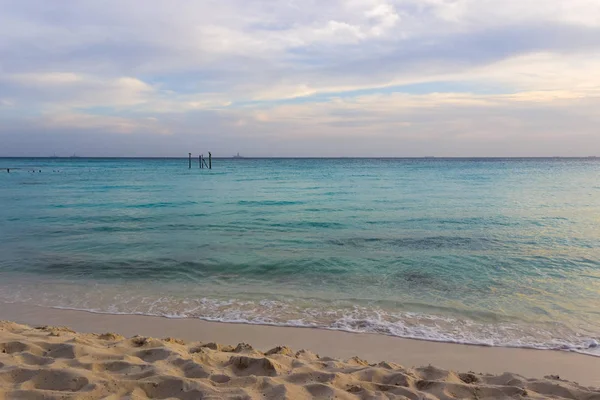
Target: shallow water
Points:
(496, 252)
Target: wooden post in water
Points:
(209, 160)
(190, 160)
(200, 161)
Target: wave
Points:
(295, 313)
(268, 203)
(432, 242)
(588, 347)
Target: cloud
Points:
(46, 79)
(64, 90)
(86, 122)
(428, 70)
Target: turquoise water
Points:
(494, 252)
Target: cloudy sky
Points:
(300, 77)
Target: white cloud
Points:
(571, 74)
(113, 124)
(388, 107)
(498, 12)
(577, 73)
(65, 90)
(46, 78)
(283, 91)
(385, 16)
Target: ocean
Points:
(497, 252)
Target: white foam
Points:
(357, 319)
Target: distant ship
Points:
(237, 156)
(74, 156)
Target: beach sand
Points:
(205, 360)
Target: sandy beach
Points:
(118, 356)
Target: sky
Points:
(394, 78)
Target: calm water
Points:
(498, 252)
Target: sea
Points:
(493, 252)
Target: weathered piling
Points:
(201, 161)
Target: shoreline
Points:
(576, 350)
(532, 363)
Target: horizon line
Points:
(304, 157)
